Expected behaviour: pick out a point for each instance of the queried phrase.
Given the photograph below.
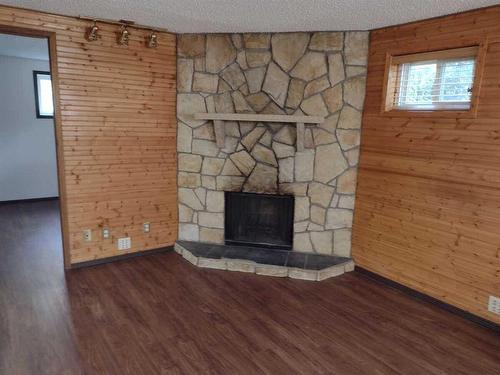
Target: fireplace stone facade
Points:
(318, 74)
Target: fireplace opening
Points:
(259, 220)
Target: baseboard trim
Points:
(117, 258)
(424, 297)
(30, 200)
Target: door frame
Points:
(51, 38)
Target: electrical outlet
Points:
(87, 235)
(124, 243)
(105, 233)
(146, 227)
(494, 305)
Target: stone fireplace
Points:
(316, 74)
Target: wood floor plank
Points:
(158, 314)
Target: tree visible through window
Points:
(441, 80)
(425, 84)
(43, 95)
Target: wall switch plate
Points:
(124, 243)
(494, 305)
(146, 227)
(87, 235)
(105, 233)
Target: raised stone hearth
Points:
(315, 74)
(267, 262)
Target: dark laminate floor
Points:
(160, 315)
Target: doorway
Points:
(30, 199)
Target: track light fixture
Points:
(152, 40)
(123, 36)
(92, 32)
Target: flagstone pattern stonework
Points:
(318, 74)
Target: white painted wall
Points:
(28, 166)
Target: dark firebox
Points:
(259, 220)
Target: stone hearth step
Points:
(269, 262)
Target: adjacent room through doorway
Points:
(29, 193)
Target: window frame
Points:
(36, 73)
(391, 81)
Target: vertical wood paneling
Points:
(428, 199)
(117, 133)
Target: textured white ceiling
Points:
(22, 46)
(190, 16)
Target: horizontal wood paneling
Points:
(428, 199)
(118, 133)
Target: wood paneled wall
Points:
(428, 200)
(117, 138)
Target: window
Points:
(433, 81)
(43, 95)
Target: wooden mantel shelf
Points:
(219, 118)
(259, 118)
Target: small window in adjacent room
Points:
(432, 81)
(43, 95)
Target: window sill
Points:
(437, 113)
